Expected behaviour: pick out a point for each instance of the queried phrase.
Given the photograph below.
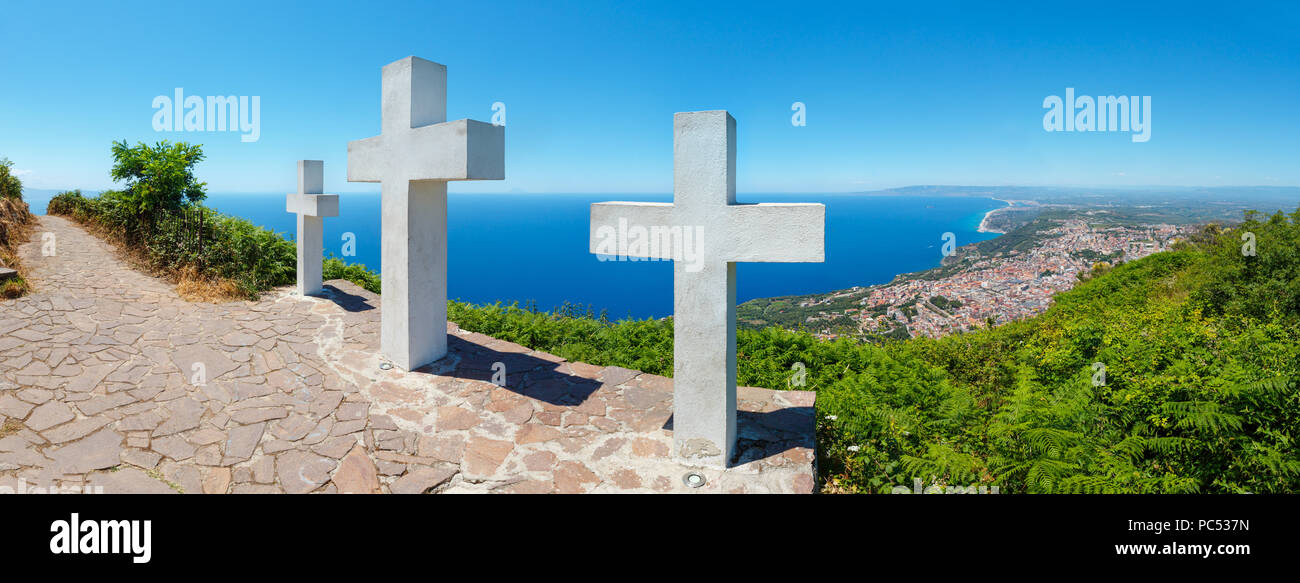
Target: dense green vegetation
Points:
(1201, 355)
(357, 273)
(10, 185)
(645, 345)
(944, 303)
(785, 311)
(15, 226)
(157, 177)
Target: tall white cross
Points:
(416, 154)
(704, 277)
(312, 207)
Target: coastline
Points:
(984, 223)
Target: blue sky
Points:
(932, 94)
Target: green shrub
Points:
(158, 177)
(574, 334)
(258, 259)
(355, 273)
(67, 203)
(10, 185)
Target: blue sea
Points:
(522, 247)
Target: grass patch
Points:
(192, 286)
(14, 288)
(157, 475)
(10, 427)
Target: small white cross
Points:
(312, 207)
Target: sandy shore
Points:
(984, 223)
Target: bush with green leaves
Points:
(67, 203)
(335, 268)
(258, 259)
(158, 177)
(10, 185)
(574, 333)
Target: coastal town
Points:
(975, 290)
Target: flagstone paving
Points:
(108, 380)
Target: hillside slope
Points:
(1174, 373)
(16, 223)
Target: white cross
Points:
(312, 207)
(704, 270)
(414, 157)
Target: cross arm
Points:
(368, 160)
(464, 149)
(776, 233)
(312, 205)
(613, 224)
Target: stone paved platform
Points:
(98, 390)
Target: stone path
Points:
(108, 380)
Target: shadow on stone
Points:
(763, 435)
(527, 375)
(345, 300)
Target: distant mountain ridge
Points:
(1129, 195)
